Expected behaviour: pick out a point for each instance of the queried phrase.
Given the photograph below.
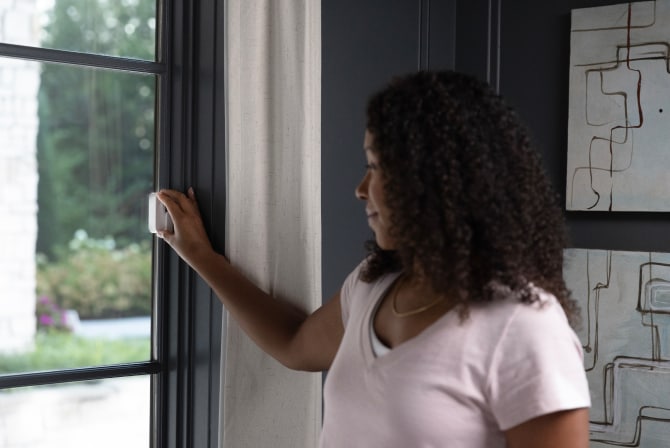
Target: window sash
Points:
(187, 330)
(109, 63)
(154, 367)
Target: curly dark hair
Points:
(468, 197)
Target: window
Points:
(111, 122)
(78, 107)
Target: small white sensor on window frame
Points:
(159, 218)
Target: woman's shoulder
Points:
(352, 281)
(510, 306)
(356, 291)
(512, 319)
(355, 280)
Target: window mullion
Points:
(80, 59)
(84, 374)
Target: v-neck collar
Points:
(379, 292)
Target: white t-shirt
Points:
(458, 384)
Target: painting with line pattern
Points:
(625, 333)
(619, 113)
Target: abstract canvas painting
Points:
(619, 108)
(625, 333)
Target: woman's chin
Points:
(384, 243)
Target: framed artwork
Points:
(619, 113)
(625, 333)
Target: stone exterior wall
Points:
(19, 84)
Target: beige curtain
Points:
(273, 94)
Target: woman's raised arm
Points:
(295, 338)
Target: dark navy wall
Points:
(365, 43)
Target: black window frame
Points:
(187, 321)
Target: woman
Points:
(453, 331)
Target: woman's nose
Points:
(362, 188)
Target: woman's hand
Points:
(189, 238)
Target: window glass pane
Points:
(76, 166)
(109, 413)
(111, 27)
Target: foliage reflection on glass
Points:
(124, 28)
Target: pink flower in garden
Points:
(45, 319)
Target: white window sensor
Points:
(159, 218)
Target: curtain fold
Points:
(273, 228)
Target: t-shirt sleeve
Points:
(347, 291)
(537, 366)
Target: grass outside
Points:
(58, 350)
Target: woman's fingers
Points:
(192, 200)
(172, 199)
(169, 199)
(189, 236)
(181, 203)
